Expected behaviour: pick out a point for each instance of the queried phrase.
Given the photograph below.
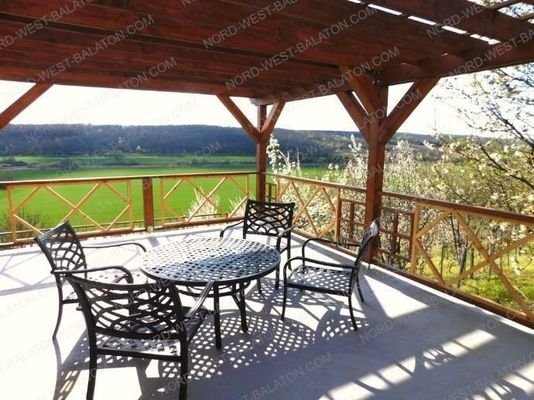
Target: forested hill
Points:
(72, 140)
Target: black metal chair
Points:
(138, 320)
(268, 219)
(65, 253)
(328, 277)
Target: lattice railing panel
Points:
(92, 206)
(186, 199)
(481, 255)
(316, 206)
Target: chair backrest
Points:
(132, 311)
(369, 235)
(62, 248)
(267, 218)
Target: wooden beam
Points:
(197, 24)
(410, 36)
(62, 45)
(405, 107)
(270, 122)
(461, 14)
(356, 112)
(282, 30)
(375, 168)
(261, 155)
(363, 86)
(22, 103)
(497, 56)
(252, 131)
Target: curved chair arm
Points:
(129, 276)
(107, 246)
(328, 241)
(202, 298)
(319, 262)
(221, 234)
(281, 235)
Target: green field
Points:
(45, 209)
(104, 205)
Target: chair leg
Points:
(59, 311)
(184, 374)
(352, 313)
(259, 286)
(242, 308)
(92, 374)
(277, 281)
(217, 317)
(359, 288)
(283, 316)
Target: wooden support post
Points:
(260, 134)
(148, 203)
(378, 128)
(22, 103)
(261, 156)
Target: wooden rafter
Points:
(22, 103)
(463, 14)
(206, 61)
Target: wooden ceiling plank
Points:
(377, 25)
(271, 36)
(22, 103)
(150, 45)
(462, 14)
(498, 56)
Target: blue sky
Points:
(68, 104)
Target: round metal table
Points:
(232, 263)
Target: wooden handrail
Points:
(4, 184)
(501, 215)
(475, 210)
(318, 182)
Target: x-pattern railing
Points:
(171, 216)
(304, 197)
(486, 257)
(75, 208)
(415, 234)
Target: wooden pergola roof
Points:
(218, 46)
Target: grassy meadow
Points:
(104, 205)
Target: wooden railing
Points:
(480, 255)
(106, 206)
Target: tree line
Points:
(203, 140)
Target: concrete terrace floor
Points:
(413, 343)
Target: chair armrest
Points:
(319, 262)
(334, 242)
(281, 235)
(107, 246)
(286, 231)
(221, 234)
(201, 299)
(129, 277)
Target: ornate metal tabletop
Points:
(199, 260)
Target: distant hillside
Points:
(74, 140)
